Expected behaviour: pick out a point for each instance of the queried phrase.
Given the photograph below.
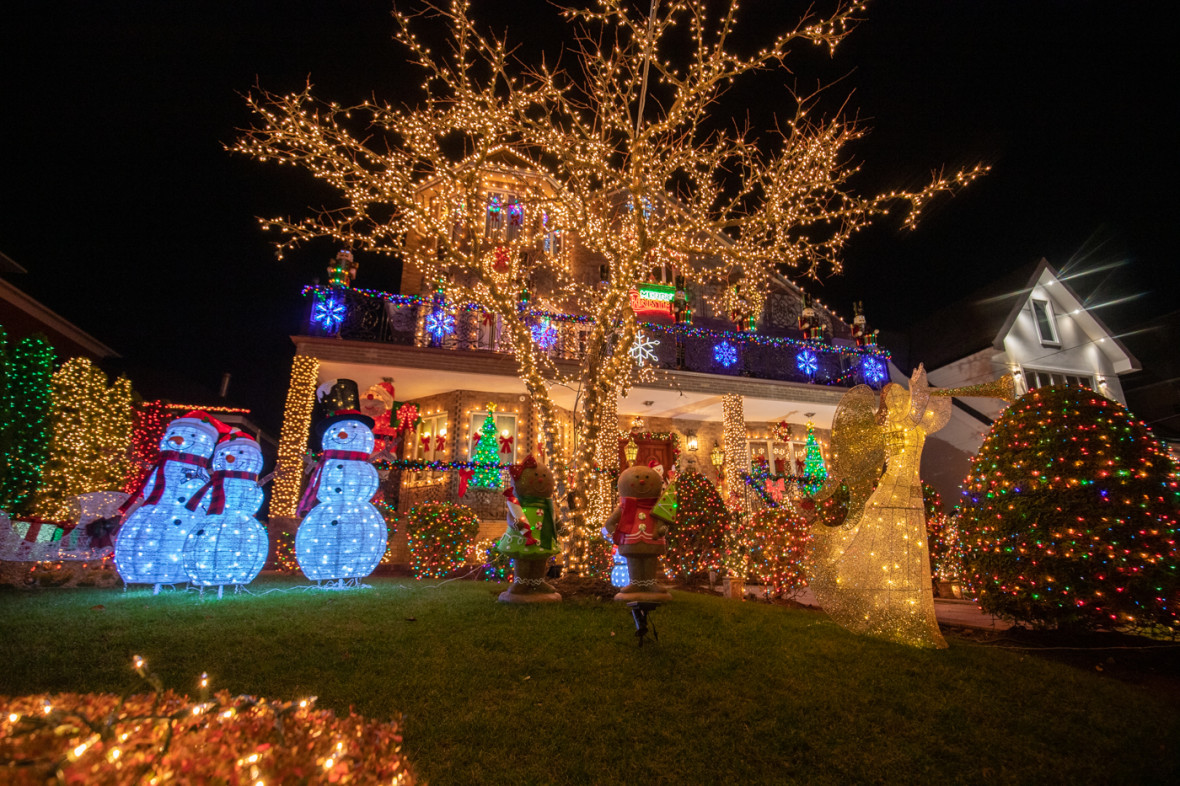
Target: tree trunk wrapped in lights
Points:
(617, 154)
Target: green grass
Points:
(732, 693)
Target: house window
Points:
(430, 440)
(505, 429)
(1041, 379)
(1046, 327)
(778, 457)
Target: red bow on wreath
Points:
(406, 415)
(506, 445)
(516, 470)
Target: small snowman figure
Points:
(227, 545)
(150, 544)
(342, 536)
(639, 533)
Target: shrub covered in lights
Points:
(695, 544)
(163, 737)
(440, 536)
(941, 537)
(25, 374)
(777, 549)
(1069, 516)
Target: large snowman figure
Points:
(227, 545)
(150, 543)
(342, 535)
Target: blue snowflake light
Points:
(440, 323)
(873, 370)
(725, 354)
(329, 313)
(807, 362)
(545, 333)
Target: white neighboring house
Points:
(1030, 324)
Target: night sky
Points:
(137, 226)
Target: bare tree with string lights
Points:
(622, 157)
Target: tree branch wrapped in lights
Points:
(635, 181)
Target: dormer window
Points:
(1046, 324)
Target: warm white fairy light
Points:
(485, 226)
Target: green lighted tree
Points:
(25, 373)
(487, 451)
(1069, 516)
(813, 463)
(696, 543)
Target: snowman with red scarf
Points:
(342, 536)
(150, 544)
(228, 545)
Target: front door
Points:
(658, 449)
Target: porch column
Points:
(737, 459)
(293, 437)
(606, 454)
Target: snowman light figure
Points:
(342, 537)
(227, 545)
(150, 544)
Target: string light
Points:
(293, 436)
(91, 437)
(490, 223)
(733, 429)
(696, 543)
(440, 537)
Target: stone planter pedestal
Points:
(734, 587)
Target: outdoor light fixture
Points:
(631, 451)
(717, 456)
(692, 443)
(638, 424)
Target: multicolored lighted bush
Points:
(440, 536)
(696, 543)
(775, 547)
(1069, 517)
(163, 737)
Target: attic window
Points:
(1046, 326)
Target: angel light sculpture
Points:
(872, 571)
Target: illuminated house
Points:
(1030, 324)
(452, 361)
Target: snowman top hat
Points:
(340, 416)
(203, 422)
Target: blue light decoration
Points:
(329, 312)
(439, 323)
(545, 333)
(725, 353)
(620, 575)
(343, 537)
(150, 544)
(807, 362)
(227, 545)
(873, 370)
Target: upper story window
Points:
(430, 440)
(1042, 379)
(505, 435)
(1046, 324)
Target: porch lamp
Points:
(631, 451)
(692, 443)
(717, 456)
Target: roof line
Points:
(55, 321)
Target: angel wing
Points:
(858, 448)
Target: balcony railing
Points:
(361, 315)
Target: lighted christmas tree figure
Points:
(88, 448)
(695, 544)
(1069, 516)
(487, 451)
(813, 463)
(25, 372)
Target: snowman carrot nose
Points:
(342, 435)
(229, 459)
(179, 440)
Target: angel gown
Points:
(873, 574)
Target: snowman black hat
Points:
(340, 416)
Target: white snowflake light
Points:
(644, 349)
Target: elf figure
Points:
(638, 531)
(531, 537)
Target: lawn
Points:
(732, 692)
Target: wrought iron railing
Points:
(362, 315)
